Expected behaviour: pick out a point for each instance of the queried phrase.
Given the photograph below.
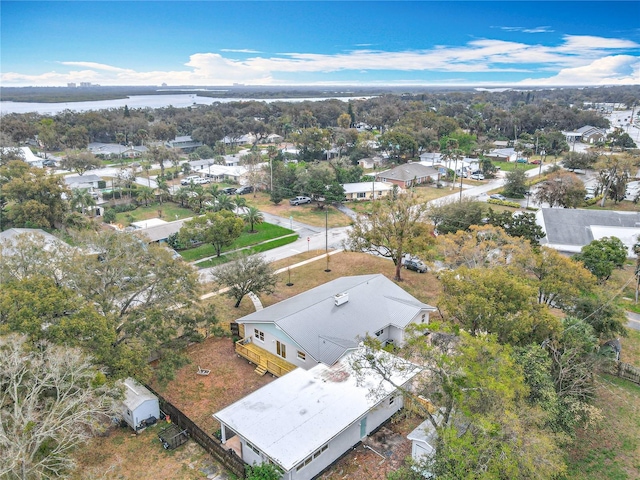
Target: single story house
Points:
(139, 405)
(10, 237)
(82, 181)
(431, 158)
(322, 324)
(409, 174)
(306, 420)
(25, 153)
(157, 230)
(115, 150)
(184, 143)
(370, 162)
(569, 229)
(247, 139)
(591, 135)
(273, 138)
(503, 154)
(367, 190)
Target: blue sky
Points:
(210, 43)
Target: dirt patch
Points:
(231, 379)
(381, 453)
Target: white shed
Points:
(139, 404)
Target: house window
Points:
(362, 195)
(392, 399)
(253, 448)
(379, 332)
(424, 316)
(258, 334)
(312, 457)
(281, 349)
(302, 356)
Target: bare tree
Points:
(247, 274)
(50, 403)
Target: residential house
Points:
(247, 139)
(370, 162)
(503, 154)
(90, 182)
(409, 174)
(322, 324)
(306, 420)
(12, 236)
(156, 230)
(139, 406)
(25, 154)
(273, 138)
(432, 159)
(569, 229)
(586, 134)
(367, 190)
(115, 150)
(184, 143)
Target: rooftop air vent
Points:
(341, 298)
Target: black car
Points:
(415, 265)
(244, 190)
(228, 191)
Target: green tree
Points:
(248, 273)
(220, 229)
(517, 224)
(453, 216)
(498, 302)
(160, 155)
(395, 227)
(145, 194)
(81, 199)
(265, 471)
(252, 216)
(602, 256)
(79, 162)
(515, 183)
(54, 400)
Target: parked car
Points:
(49, 163)
(477, 176)
(202, 180)
(415, 265)
(244, 190)
(497, 196)
(299, 200)
(228, 191)
(189, 180)
(521, 160)
(535, 162)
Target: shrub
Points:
(504, 203)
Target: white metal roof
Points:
(135, 394)
(366, 187)
(295, 415)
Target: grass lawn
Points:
(168, 212)
(264, 231)
(308, 213)
(511, 166)
(610, 449)
(261, 247)
(624, 206)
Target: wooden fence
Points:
(228, 458)
(627, 371)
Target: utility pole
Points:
(326, 237)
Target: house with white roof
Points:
(306, 420)
(503, 154)
(11, 237)
(367, 190)
(24, 153)
(570, 229)
(322, 324)
(82, 181)
(409, 174)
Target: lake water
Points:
(136, 101)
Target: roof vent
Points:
(341, 298)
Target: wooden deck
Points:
(264, 361)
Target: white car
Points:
(477, 176)
(190, 179)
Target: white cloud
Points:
(239, 50)
(542, 29)
(612, 70)
(569, 60)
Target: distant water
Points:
(136, 101)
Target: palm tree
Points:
(199, 196)
(224, 202)
(81, 198)
(240, 202)
(182, 195)
(163, 189)
(253, 216)
(146, 166)
(145, 194)
(214, 191)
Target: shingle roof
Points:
(327, 331)
(408, 171)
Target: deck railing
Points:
(262, 358)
